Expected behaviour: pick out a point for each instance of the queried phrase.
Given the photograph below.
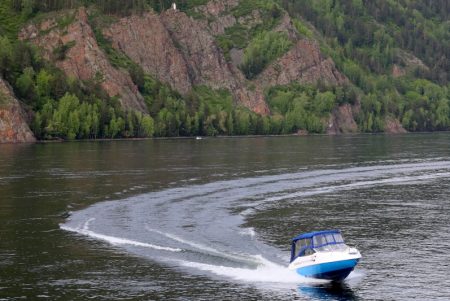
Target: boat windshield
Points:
(308, 243)
(329, 248)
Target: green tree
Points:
(147, 126)
(25, 83)
(6, 55)
(43, 83)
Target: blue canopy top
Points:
(312, 234)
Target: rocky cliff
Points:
(81, 57)
(183, 52)
(147, 42)
(342, 120)
(13, 125)
(303, 63)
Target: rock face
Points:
(207, 64)
(342, 121)
(393, 126)
(84, 60)
(148, 43)
(215, 10)
(287, 27)
(303, 63)
(182, 52)
(13, 127)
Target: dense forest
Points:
(366, 39)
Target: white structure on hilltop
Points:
(174, 6)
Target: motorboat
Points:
(323, 255)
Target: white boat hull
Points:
(332, 265)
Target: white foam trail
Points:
(361, 184)
(356, 274)
(248, 211)
(115, 240)
(248, 231)
(266, 272)
(200, 246)
(86, 224)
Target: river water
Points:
(212, 219)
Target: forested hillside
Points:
(396, 52)
(111, 68)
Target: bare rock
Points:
(148, 43)
(393, 126)
(85, 60)
(287, 27)
(237, 56)
(182, 52)
(342, 121)
(216, 8)
(217, 17)
(206, 62)
(398, 71)
(304, 63)
(13, 125)
(218, 26)
(207, 65)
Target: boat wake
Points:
(115, 240)
(198, 228)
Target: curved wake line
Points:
(203, 248)
(361, 184)
(116, 240)
(260, 186)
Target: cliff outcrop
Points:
(207, 63)
(393, 126)
(81, 57)
(13, 125)
(181, 52)
(342, 120)
(217, 20)
(147, 42)
(304, 63)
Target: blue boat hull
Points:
(335, 271)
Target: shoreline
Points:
(221, 137)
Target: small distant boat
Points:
(198, 138)
(323, 255)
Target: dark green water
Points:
(211, 219)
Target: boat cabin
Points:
(309, 243)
